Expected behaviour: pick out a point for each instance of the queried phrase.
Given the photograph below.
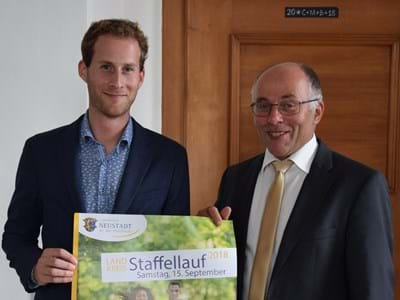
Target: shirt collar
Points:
(87, 134)
(302, 158)
(127, 134)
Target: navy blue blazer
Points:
(338, 240)
(155, 181)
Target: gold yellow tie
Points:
(266, 237)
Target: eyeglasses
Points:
(287, 107)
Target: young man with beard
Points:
(104, 162)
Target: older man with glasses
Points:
(309, 222)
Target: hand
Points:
(55, 265)
(216, 216)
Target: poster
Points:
(132, 257)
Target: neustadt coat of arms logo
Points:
(111, 227)
(90, 224)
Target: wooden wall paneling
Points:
(234, 136)
(394, 158)
(207, 96)
(394, 120)
(174, 70)
(355, 17)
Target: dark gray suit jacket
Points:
(338, 240)
(155, 181)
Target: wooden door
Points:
(213, 50)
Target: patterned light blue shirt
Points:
(101, 173)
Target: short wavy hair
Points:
(116, 27)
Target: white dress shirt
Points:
(294, 178)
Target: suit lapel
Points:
(307, 204)
(67, 156)
(138, 162)
(248, 180)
